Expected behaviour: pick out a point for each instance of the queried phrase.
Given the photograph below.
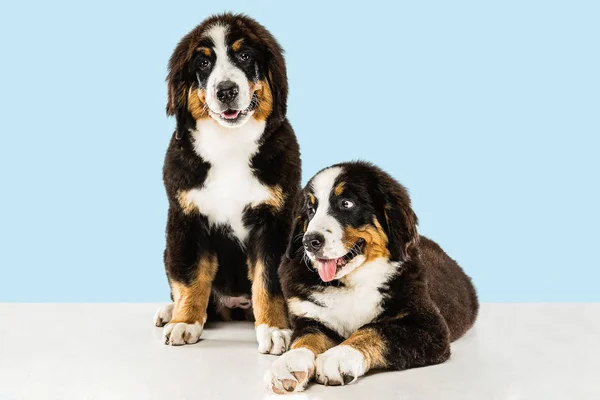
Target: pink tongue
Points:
(327, 269)
(231, 114)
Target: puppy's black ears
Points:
(178, 81)
(177, 91)
(179, 74)
(277, 80)
(400, 224)
(299, 228)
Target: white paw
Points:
(163, 315)
(291, 372)
(340, 365)
(181, 333)
(272, 340)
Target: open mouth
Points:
(328, 268)
(232, 115)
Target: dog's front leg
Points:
(400, 342)
(273, 331)
(293, 370)
(191, 269)
(269, 240)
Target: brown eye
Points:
(204, 64)
(311, 211)
(244, 56)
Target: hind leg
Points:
(273, 331)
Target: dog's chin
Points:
(232, 118)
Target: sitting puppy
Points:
(363, 289)
(232, 173)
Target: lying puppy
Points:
(231, 172)
(364, 290)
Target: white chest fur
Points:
(345, 309)
(230, 185)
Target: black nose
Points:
(227, 91)
(313, 241)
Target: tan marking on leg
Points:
(268, 309)
(187, 206)
(197, 103)
(191, 301)
(371, 345)
(204, 50)
(175, 293)
(237, 45)
(277, 198)
(339, 189)
(265, 100)
(376, 240)
(250, 266)
(316, 342)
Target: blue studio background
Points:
(487, 111)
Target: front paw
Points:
(340, 365)
(163, 315)
(180, 333)
(272, 340)
(291, 372)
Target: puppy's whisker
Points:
(306, 262)
(297, 237)
(204, 109)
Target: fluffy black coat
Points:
(426, 301)
(204, 262)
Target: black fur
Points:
(277, 163)
(427, 302)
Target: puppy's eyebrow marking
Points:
(204, 50)
(311, 198)
(339, 189)
(237, 44)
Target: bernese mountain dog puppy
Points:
(231, 173)
(364, 290)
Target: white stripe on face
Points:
(322, 222)
(225, 70)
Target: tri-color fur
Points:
(393, 299)
(231, 172)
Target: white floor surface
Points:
(112, 351)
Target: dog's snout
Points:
(313, 241)
(227, 91)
